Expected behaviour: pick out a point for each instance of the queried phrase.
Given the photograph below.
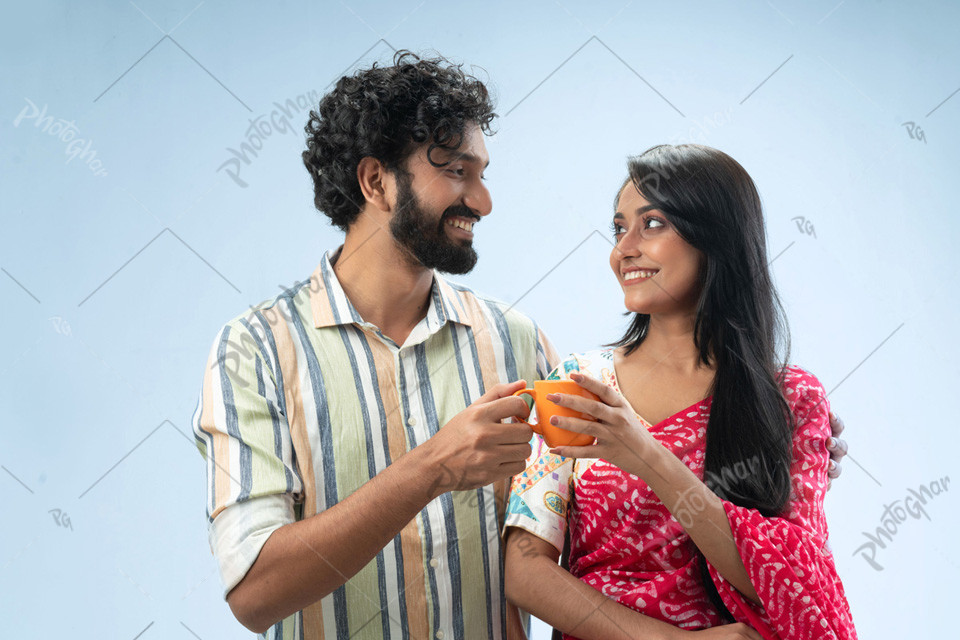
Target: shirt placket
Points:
(418, 431)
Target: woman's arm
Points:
(625, 442)
(700, 511)
(785, 558)
(538, 585)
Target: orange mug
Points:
(555, 436)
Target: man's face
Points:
(437, 206)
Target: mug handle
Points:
(533, 394)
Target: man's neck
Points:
(381, 281)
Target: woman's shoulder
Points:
(803, 391)
(797, 378)
(597, 362)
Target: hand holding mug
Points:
(546, 409)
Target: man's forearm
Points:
(304, 561)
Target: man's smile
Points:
(464, 224)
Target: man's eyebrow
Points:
(469, 157)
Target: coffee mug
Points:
(555, 436)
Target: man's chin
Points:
(457, 264)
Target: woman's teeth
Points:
(633, 275)
(462, 224)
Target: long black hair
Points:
(740, 326)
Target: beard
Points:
(426, 240)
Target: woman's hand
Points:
(622, 439)
(735, 631)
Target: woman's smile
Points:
(635, 276)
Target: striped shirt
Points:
(303, 402)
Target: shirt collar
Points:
(331, 307)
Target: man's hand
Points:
(837, 449)
(474, 448)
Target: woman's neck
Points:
(669, 341)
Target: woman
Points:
(699, 509)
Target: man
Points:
(357, 462)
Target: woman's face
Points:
(658, 271)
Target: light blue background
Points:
(113, 286)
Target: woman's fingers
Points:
(603, 391)
(576, 452)
(577, 425)
(588, 406)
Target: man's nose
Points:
(477, 198)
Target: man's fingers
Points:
(837, 448)
(510, 453)
(836, 424)
(510, 433)
(834, 470)
(502, 390)
(513, 468)
(508, 407)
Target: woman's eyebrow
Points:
(643, 209)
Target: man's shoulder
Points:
(270, 310)
(494, 306)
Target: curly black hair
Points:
(385, 113)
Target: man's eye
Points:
(457, 172)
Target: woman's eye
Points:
(654, 223)
(616, 228)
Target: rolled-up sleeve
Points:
(241, 429)
(239, 532)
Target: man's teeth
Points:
(466, 226)
(633, 275)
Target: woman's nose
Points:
(628, 246)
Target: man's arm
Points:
(304, 561)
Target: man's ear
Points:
(376, 183)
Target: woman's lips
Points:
(633, 276)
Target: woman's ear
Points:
(376, 183)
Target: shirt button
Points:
(434, 563)
(412, 421)
(440, 635)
